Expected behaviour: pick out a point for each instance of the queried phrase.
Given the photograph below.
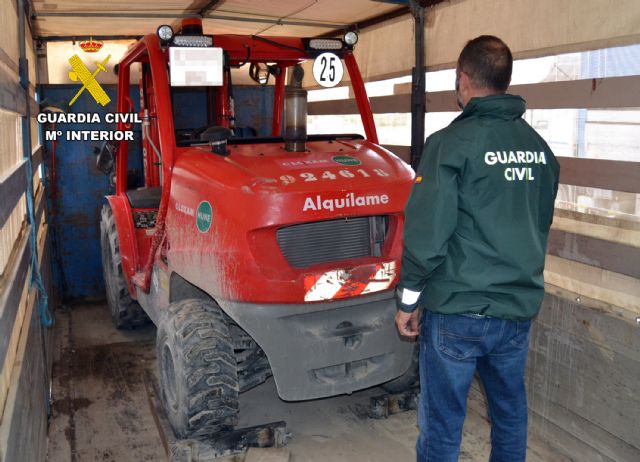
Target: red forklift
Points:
(253, 255)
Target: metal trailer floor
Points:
(101, 408)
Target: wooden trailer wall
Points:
(583, 387)
(24, 344)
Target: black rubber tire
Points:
(408, 380)
(197, 369)
(126, 313)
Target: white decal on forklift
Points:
(293, 164)
(333, 175)
(184, 209)
(341, 283)
(350, 200)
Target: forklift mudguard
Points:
(327, 348)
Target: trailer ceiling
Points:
(70, 18)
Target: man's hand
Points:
(407, 323)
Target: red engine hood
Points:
(344, 165)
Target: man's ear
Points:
(465, 81)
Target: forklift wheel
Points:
(408, 380)
(197, 366)
(126, 313)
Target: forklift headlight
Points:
(165, 33)
(350, 38)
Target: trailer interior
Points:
(75, 388)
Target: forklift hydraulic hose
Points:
(145, 128)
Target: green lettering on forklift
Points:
(346, 160)
(204, 216)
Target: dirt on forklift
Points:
(253, 255)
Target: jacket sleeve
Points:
(431, 217)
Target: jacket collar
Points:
(506, 107)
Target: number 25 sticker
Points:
(328, 70)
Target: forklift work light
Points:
(325, 44)
(350, 38)
(193, 41)
(165, 33)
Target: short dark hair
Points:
(488, 62)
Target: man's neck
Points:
(481, 93)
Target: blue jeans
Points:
(452, 348)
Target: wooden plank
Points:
(26, 376)
(582, 94)
(613, 408)
(6, 59)
(11, 291)
(333, 107)
(12, 187)
(612, 222)
(12, 95)
(12, 347)
(36, 158)
(24, 426)
(600, 253)
(564, 431)
(592, 173)
(578, 372)
(598, 230)
(611, 328)
(579, 94)
(616, 175)
(613, 288)
(574, 436)
(34, 107)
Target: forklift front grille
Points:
(309, 244)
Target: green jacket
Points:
(477, 220)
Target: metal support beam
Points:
(151, 15)
(418, 96)
(72, 38)
(374, 21)
(358, 26)
(210, 6)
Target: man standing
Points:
(475, 239)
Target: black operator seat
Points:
(145, 198)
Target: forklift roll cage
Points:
(285, 52)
